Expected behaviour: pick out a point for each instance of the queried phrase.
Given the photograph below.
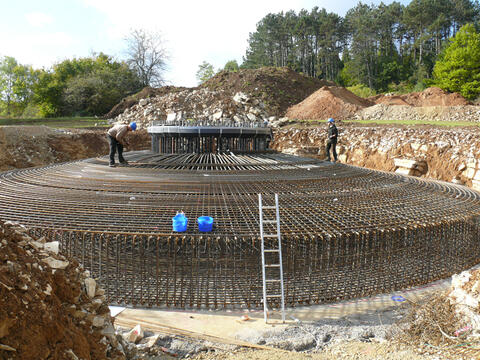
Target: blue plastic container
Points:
(205, 223)
(179, 223)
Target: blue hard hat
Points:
(133, 126)
(330, 120)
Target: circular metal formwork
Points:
(346, 231)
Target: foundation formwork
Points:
(347, 232)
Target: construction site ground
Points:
(345, 330)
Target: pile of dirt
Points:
(330, 101)
(277, 87)
(145, 93)
(432, 96)
(49, 307)
(246, 96)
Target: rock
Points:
(7, 348)
(36, 245)
(71, 354)
(150, 341)
(52, 246)
(408, 163)
(143, 102)
(241, 98)
(405, 171)
(217, 115)
(98, 321)
(55, 264)
(48, 291)
(90, 285)
(134, 335)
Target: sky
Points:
(44, 32)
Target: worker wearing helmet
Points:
(332, 139)
(116, 138)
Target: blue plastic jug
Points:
(180, 223)
(205, 223)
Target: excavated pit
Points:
(346, 231)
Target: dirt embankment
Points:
(28, 146)
(448, 153)
(49, 307)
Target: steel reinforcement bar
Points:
(220, 272)
(346, 231)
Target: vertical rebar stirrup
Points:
(277, 250)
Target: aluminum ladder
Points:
(272, 261)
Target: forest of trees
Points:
(384, 47)
(374, 48)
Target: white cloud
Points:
(38, 19)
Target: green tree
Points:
(458, 68)
(96, 92)
(231, 66)
(16, 82)
(86, 86)
(205, 72)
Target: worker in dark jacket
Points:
(116, 138)
(332, 139)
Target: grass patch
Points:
(62, 122)
(415, 122)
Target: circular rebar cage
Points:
(346, 232)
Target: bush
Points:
(401, 88)
(362, 90)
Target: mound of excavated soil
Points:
(47, 310)
(277, 87)
(330, 101)
(432, 96)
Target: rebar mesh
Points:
(346, 231)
